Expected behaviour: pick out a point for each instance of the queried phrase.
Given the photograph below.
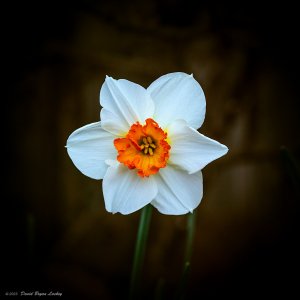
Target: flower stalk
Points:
(191, 222)
(139, 253)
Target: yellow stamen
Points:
(147, 145)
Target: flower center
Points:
(144, 148)
(147, 145)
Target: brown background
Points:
(57, 234)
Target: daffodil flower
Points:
(146, 147)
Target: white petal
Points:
(178, 96)
(178, 192)
(191, 150)
(89, 147)
(124, 103)
(126, 192)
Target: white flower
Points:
(146, 147)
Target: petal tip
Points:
(109, 78)
(225, 148)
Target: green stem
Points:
(139, 253)
(191, 222)
(183, 281)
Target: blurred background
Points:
(57, 235)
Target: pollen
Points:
(147, 145)
(144, 148)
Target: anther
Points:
(147, 146)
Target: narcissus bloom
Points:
(146, 147)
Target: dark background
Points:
(57, 235)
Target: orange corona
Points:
(144, 148)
